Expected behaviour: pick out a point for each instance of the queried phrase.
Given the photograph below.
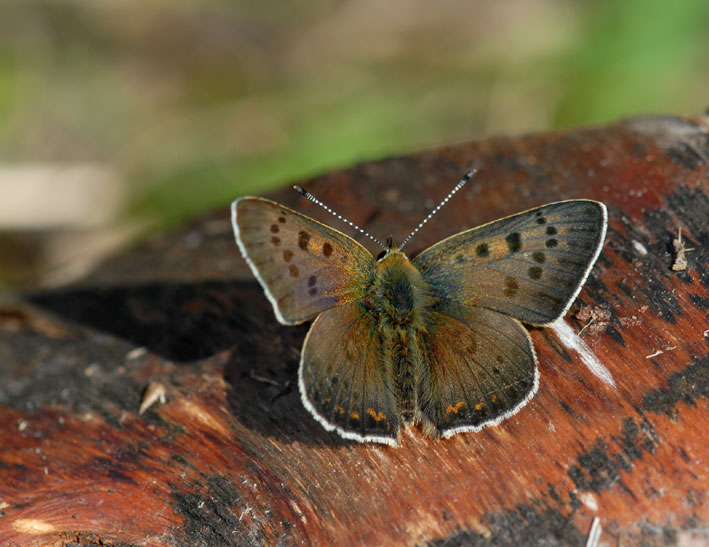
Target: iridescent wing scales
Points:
(303, 266)
(480, 368)
(345, 379)
(530, 265)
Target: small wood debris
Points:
(629, 321)
(154, 392)
(660, 352)
(594, 534)
(680, 262)
(135, 353)
(594, 318)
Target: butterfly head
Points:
(388, 249)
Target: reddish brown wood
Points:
(233, 458)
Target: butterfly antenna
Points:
(311, 197)
(461, 183)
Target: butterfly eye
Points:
(382, 255)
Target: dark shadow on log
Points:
(187, 322)
(182, 322)
(266, 399)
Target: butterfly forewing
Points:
(304, 267)
(530, 265)
(345, 379)
(480, 368)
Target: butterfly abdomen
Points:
(401, 351)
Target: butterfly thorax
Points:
(399, 294)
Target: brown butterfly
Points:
(436, 340)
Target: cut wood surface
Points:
(618, 428)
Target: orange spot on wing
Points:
(454, 409)
(355, 415)
(479, 406)
(378, 416)
(340, 409)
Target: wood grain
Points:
(233, 458)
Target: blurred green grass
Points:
(195, 103)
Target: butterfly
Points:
(436, 340)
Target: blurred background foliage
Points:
(169, 108)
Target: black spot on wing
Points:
(514, 241)
(482, 250)
(303, 239)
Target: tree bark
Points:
(233, 457)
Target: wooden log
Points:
(233, 458)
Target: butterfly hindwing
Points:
(530, 265)
(345, 378)
(480, 368)
(303, 266)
